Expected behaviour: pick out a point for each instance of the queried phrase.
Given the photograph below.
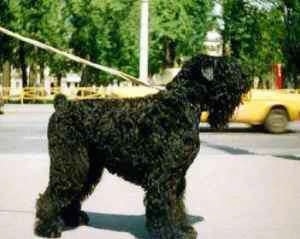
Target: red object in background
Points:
(278, 73)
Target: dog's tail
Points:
(60, 102)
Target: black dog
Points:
(148, 141)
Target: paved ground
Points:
(230, 194)
(227, 197)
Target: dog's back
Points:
(130, 131)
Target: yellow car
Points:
(272, 109)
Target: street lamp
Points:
(144, 41)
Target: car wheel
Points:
(276, 121)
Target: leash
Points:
(75, 58)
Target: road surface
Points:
(243, 184)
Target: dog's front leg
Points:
(162, 213)
(180, 212)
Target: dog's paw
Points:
(190, 233)
(49, 229)
(83, 218)
(75, 220)
(173, 233)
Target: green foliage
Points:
(254, 34)
(6, 43)
(263, 34)
(260, 33)
(108, 31)
(41, 20)
(180, 25)
(96, 34)
(291, 47)
(104, 31)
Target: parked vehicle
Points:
(268, 109)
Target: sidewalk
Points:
(228, 197)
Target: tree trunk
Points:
(59, 77)
(23, 64)
(32, 75)
(41, 73)
(6, 73)
(89, 76)
(6, 77)
(170, 53)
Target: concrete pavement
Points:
(227, 197)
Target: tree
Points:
(278, 27)
(36, 19)
(176, 30)
(107, 32)
(255, 35)
(41, 20)
(6, 43)
(291, 9)
(96, 34)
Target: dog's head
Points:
(217, 84)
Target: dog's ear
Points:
(208, 66)
(208, 72)
(228, 84)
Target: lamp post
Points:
(144, 41)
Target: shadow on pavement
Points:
(232, 129)
(289, 157)
(133, 224)
(229, 129)
(227, 149)
(237, 151)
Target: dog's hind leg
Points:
(48, 223)
(73, 215)
(96, 166)
(61, 201)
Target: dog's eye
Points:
(208, 73)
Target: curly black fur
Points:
(148, 141)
